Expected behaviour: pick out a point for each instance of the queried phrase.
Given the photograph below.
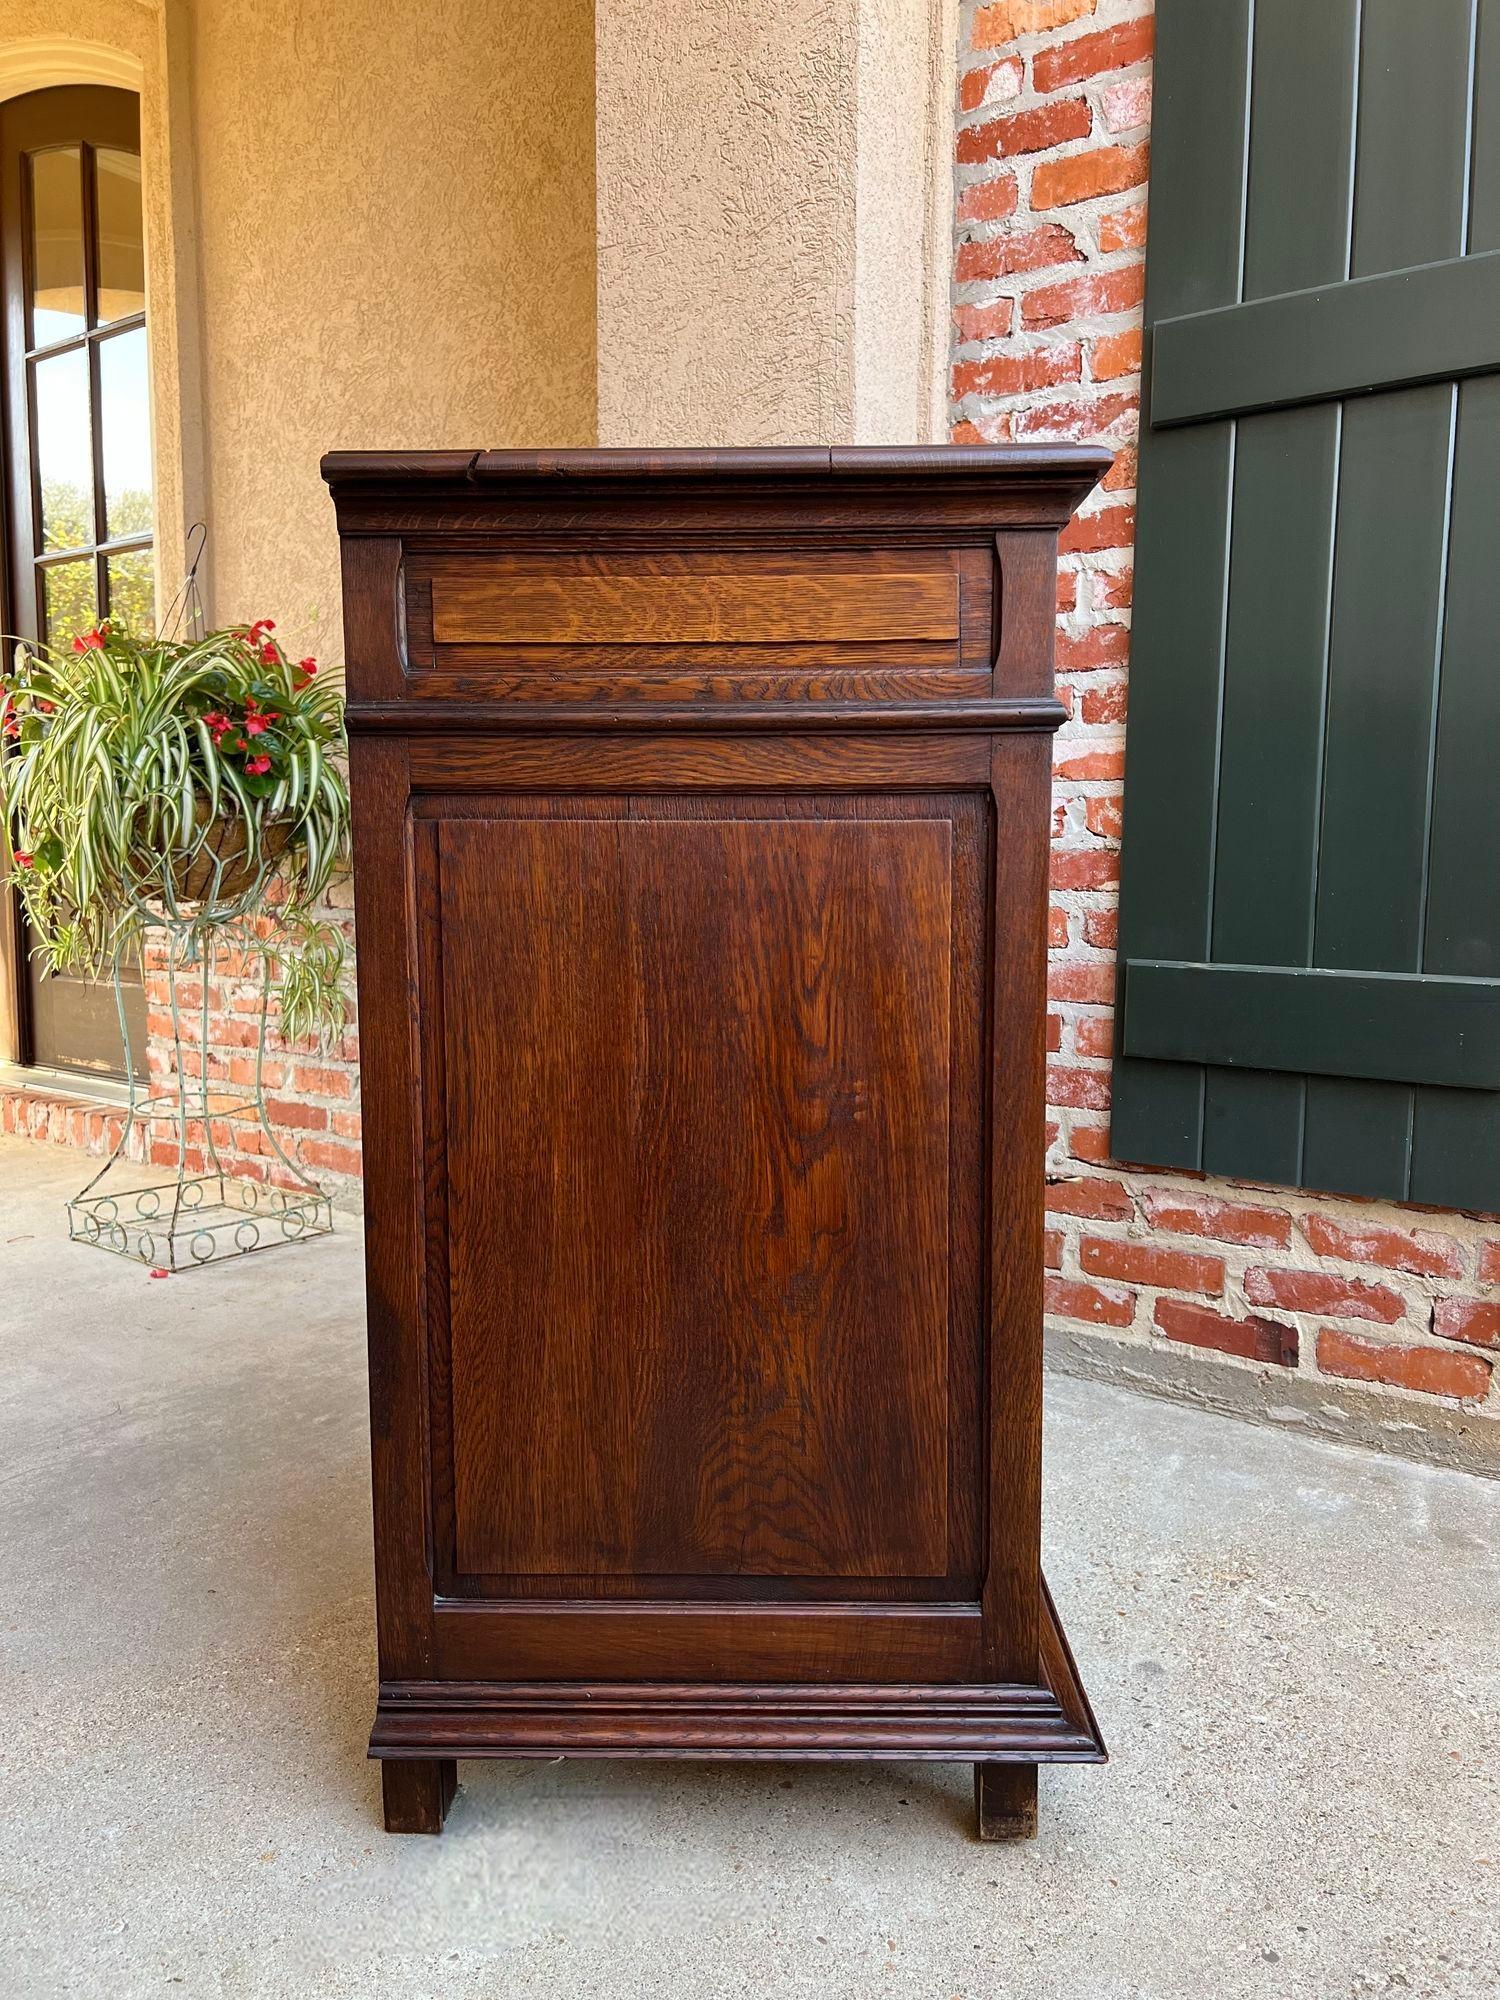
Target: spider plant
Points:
(195, 783)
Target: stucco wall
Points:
(769, 186)
(395, 248)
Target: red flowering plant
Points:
(196, 782)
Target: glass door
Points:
(78, 427)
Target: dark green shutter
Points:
(1310, 903)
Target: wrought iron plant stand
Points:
(205, 1213)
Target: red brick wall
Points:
(311, 1087)
(1052, 163)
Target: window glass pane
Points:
(125, 417)
(66, 594)
(65, 466)
(56, 245)
(132, 592)
(122, 252)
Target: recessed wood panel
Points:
(698, 1083)
(726, 599)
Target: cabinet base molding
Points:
(1048, 1722)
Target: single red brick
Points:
(1106, 528)
(1052, 1249)
(1003, 20)
(1016, 374)
(1089, 1142)
(1489, 1263)
(1054, 1033)
(1101, 1200)
(998, 81)
(1149, 1264)
(1088, 55)
(1057, 928)
(1094, 1035)
(1067, 590)
(1016, 250)
(1090, 985)
(1430, 1369)
(1105, 701)
(1101, 765)
(1121, 475)
(1115, 354)
(332, 1156)
(1035, 131)
(991, 322)
(1113, 588)
(1082, 176)
(1101, 929)
(1395, 1249)
(1077, 298)
(1474, 1320)
(1079, 418)
(1083, 1089)
(1099, 646)
(1125, 229)
(1127, 104)
(318, 1080)
(1101, 1305)
(1322, 1292)
(1102, 816)
(1085, 868)
(967, 433)
(1252, 1339)
(1228, 1221)
(297, 1113)
(990, 200)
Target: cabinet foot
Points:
(1005, 1801)
(417, 1793)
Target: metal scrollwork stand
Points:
(202, 924)
(204, 1213)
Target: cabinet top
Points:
(1069, 468)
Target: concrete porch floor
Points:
(1293, 1648)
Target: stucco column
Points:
(773, 214)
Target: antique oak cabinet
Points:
(701, 807)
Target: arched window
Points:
(78, 486)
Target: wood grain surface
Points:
(699, 1296)
(675, 598)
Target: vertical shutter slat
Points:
(1456, 1134)
(1484, 171)
(1202, 72)
(1301, 152)
(1171, 761)
(1272, 753)
(1411, 184)
(1280, 575)
(1393, 513)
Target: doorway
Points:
(78, 490)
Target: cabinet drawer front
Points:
(693, 600)
(702, 624)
